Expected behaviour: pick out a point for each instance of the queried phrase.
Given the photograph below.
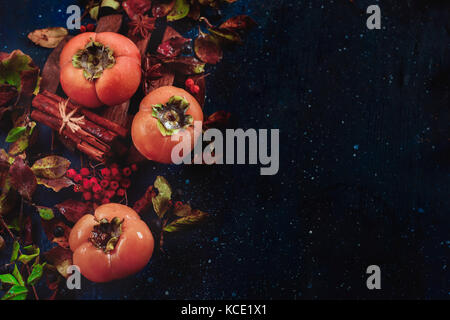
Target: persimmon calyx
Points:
(106, 234)
(94, 59)
(172, 116)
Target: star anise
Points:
(141, 25)
(152, 68)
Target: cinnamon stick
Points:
(83, 140)
(50, 106)
(101, 121)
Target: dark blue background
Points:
(364, 157)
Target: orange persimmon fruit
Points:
(100, 69)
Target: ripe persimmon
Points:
(100, 68)
(165, 118)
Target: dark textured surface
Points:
(364, 157)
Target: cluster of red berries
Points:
(89, 27)
(112, 181)
(191, 86)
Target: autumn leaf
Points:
(8, 93)
(48, 37)
(51, 229)
(239, 23)
(135, 7)
(179, 11)
(217, 120)
(15, 133)
(45, 213)
(18, 69)
(161, 202)
(207, 48)
(22, 178)
(23, 141)
(185, 222)
(184, 65)
(51, 167)
(162, 8)
(60, 258)
(55, 184)
(172, 47)
(73, 210)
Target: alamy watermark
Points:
(238, 145)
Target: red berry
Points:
(78, 178)
(96, 188)
(114, 185)
(93, 180)
(105, 172)
(105, 201)
(104, 184)
(86, 184)
(115, 172)
(98, 196)
(84, 172)
(114, 165)
(110, 193)
(77, 188)
(126, 171)
(83, 29)
(71, 173)
(134, 167)
(189, 83)
(90, 27)
(121, 192)
(125, 183)
(195, 89)
(87, 196)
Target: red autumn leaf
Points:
(162, 8)
(172, 47)
(184, 65)
(207, 48)
(239, 23)
(22, 178)
(7, 94)
(73, 210)
(56, 231)
(135, 7)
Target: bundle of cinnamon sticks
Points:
(94, 135)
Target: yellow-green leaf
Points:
(179, 11)
(51, 167)
(16, 293)
(161, 202)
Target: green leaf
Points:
(161, 202)
(16, 293)
(8, 279)
(22, 143)
(51, 167)
(36, 273)
(34, 252)
(45, 213)
(186, 222)
(15, 134)
(179, 11)
(15, 251)
(18, 276)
